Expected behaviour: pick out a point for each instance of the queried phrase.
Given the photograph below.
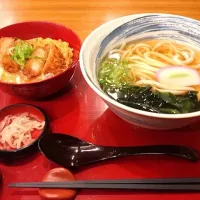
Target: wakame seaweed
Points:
(115, 82)
(144, 98)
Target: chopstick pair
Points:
(174, 184)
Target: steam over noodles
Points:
(157, 75)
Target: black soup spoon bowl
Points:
(71, 152)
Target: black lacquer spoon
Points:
(72, 152)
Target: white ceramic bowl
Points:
(105, 37)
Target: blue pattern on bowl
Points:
(152, 26)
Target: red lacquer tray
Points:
(78, 111)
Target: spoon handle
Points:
(170, 150)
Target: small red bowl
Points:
(39, 114)
(29, 30)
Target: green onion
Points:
(21, 52)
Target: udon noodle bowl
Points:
(24, 61)
(158, 75)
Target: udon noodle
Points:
(145, 59)
(160, 75)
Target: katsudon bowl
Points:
(50, 85)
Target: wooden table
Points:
(83, 16)
(80, 112)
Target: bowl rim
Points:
(46, 125)
(112, 101)
(71, 66)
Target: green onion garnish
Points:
(21, 52)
